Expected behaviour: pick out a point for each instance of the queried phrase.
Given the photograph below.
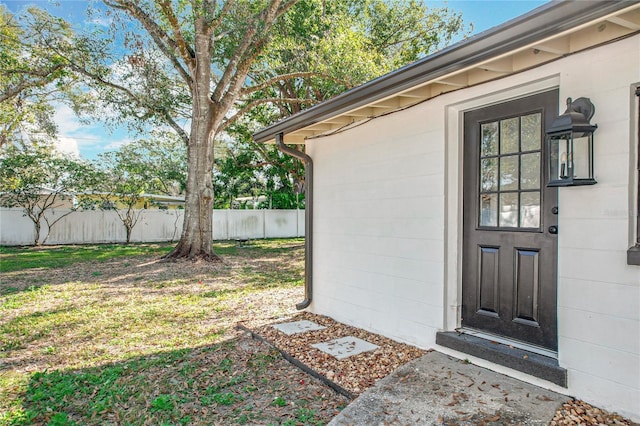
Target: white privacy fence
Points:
(97, 226)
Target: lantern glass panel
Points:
(581, 158)
(560, 166)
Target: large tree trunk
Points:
(196, 241)
(208, 112)
(197, 229)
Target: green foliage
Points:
(225, 69)
(39, 179)
(246, 169)
(326, 48)
(33, 74)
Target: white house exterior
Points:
(395, 251)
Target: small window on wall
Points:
(633, 255)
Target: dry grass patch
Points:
(129, 340)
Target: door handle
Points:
(553, 229)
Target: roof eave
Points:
(545, 21)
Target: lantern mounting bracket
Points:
(581, 106)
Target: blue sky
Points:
(90, 140)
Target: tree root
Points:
(185, 252)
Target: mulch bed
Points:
(577, 412)
(355, 373)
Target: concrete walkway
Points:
(440, 390)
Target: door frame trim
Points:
(454, 150)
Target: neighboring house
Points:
(65, 200)
(46, 196)
(432, 220)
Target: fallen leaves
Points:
(543, 398)
(457, 398)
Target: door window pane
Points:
(489, 174)
(530, 133)
(530, 210)
(510, 177)
(489, 145)
(509, 173)
(509, 210)
(489, 210)
(509, 136)
(530, 178)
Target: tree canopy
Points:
(33, 75)
(214, 71)
(333, 46)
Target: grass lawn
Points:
(105, 334)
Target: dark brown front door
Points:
(510, 222)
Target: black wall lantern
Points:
(570, 145)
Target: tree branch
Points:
(45, 78)
(273, 80)
(225, 10)
(237, 77)
(132, 96)
(232, 65)
(175, 126)
(166, 44)
(185, 50)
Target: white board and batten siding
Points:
(96, 226)
(388, 224)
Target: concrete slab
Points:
(295, 327)
(440, 390)
(345, 347)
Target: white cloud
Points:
(66, 119)
(68, 145)
(87, 140)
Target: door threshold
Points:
(508, 355)
(509, 342)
